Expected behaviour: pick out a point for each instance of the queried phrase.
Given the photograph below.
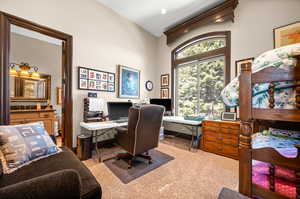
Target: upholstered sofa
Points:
(61, 175)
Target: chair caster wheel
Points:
(129, 167)
(150, 162)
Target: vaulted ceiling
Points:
(156, 16)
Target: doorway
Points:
(37, 89)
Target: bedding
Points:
(283, 187)
(284, 92)
(283, 141)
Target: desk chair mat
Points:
(140, 168)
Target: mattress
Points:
(284, 91)
(284, 178)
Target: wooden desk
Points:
(221, 137)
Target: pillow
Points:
(22, 144)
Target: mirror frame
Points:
(47, 97)
(67, 57)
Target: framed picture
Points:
(286, 35)
(83, 84)
(164, 93)
(96, 80)
(238, 64)
(92, 85)
(92, 74)
(111, 78)
(129, 82)
(83, 73)
(164, 80)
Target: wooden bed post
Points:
(245, 160)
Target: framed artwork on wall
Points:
(96, 80)
(164, 80)
(286, 35)
(238, 64)
(129, 82)
(164, 93)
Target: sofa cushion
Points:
(1, 169)
(21, 144)
(65, 160)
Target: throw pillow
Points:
(22, 144)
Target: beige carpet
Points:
(190, 175)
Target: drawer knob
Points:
(219, 148)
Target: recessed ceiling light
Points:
(163, 11)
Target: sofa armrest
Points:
(59, 185)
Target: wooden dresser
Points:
(28, 116)
(221, 137)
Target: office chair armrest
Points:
(122, 130)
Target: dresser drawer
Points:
(230, 131)
(230, 140)
(211, 129)
(212, 137)
(23, 115)
(230, 151)
(213, 147)
(46, 115)
(211, 124)
(235, 126)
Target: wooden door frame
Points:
(67, 51)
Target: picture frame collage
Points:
(96, 80)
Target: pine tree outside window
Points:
(201, 69)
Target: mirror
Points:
(30, 89)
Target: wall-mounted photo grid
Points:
(96, 80)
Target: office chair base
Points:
(130, 159)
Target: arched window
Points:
(200, 70)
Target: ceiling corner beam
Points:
(220, 13)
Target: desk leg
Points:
(192, 142)
(98, 152)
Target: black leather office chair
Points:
(142, 133)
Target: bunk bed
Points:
(269, 145)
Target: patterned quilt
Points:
(285, 91)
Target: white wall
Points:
(251, 33)
(102, 39)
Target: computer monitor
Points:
(167, 103)
(118, 110)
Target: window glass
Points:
(201, 46)
(198, 87)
